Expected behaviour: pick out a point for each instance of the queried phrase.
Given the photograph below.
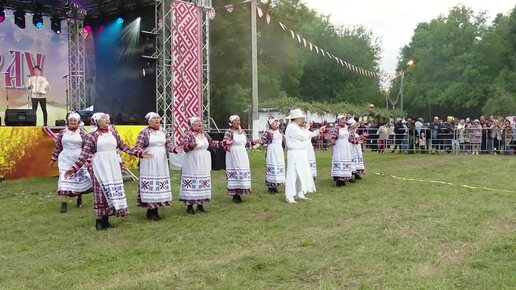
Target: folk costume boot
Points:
(200, 208)
(105, 222)
(79, 201)
(190, 209)
(150, 214)
(64, 207)
(98, 225)
(357, 176)
(156, 214)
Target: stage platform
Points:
(26, 151)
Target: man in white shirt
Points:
(38, 86)
(299, 176)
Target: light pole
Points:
(408, 64)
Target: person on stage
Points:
(38, 87)
(299, 177)
(154, 184)
(238, 170)
(341, 163)
(68, 148)
(275, 157)
(356, 140)
(196, 169)
(108, 188)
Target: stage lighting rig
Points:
(19, 18)
(2, 14)
(37, 19)
(55, 24)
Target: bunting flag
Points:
(229, 8)
(306, 43)
(259, 11)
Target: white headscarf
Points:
(151, 115)
(272, 119)
(351, 122)
(74, 115)
(192, 120)
(95, 118)
(340, 117)
(233, 118)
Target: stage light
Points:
(2, 14)
(19, 18)
(37, 20)
(55, 24)
(120, 20)
(88, 23)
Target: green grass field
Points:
(380, 233)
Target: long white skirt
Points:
(80, 182)
(106, 167)
(275, 164)
(238, 172)
(341, 168)
(155, 177)
(196, 176)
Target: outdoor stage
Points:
(26, 151)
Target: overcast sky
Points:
(394, 21)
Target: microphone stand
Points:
(68, 109)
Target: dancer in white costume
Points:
(310, 152)
(196, 170)
(299, 177)
(154, 182)
(238, 170)
(68, 148)
(341, 164)
(275, 158)
(356, 140)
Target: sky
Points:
(394, 21)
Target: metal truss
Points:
(77, 99)
(164, 77)
(205, 54)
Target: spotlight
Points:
(55, 24)
(120, 20)
(37, 20)
(88, 23)
(19, 18)
(150, 68)
(2, 14)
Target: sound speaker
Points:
(131, 119)
(60, 123)
(218, 156)
(20, 117)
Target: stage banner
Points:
(186, 65)
(25, 151)
(20, 51)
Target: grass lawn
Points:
(379, 233)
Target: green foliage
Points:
(286, 68)
(458, 58)
(284, 104)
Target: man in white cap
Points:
(299, 177)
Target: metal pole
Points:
(254, 60)
(401, 93)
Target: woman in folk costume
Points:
(275, 158)
(341, 163)
(68, 148)
(356, 141)
(299, 177)
(310, 149)
(196, 169)
(108, 187)
(238, 171)
(154, 185)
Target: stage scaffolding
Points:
(76, 91)
(164, 58)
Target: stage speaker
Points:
(61, 123)
(218, 156)
(131, 119)
(85, 116)
(20, 117)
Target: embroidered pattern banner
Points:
(186, 66)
